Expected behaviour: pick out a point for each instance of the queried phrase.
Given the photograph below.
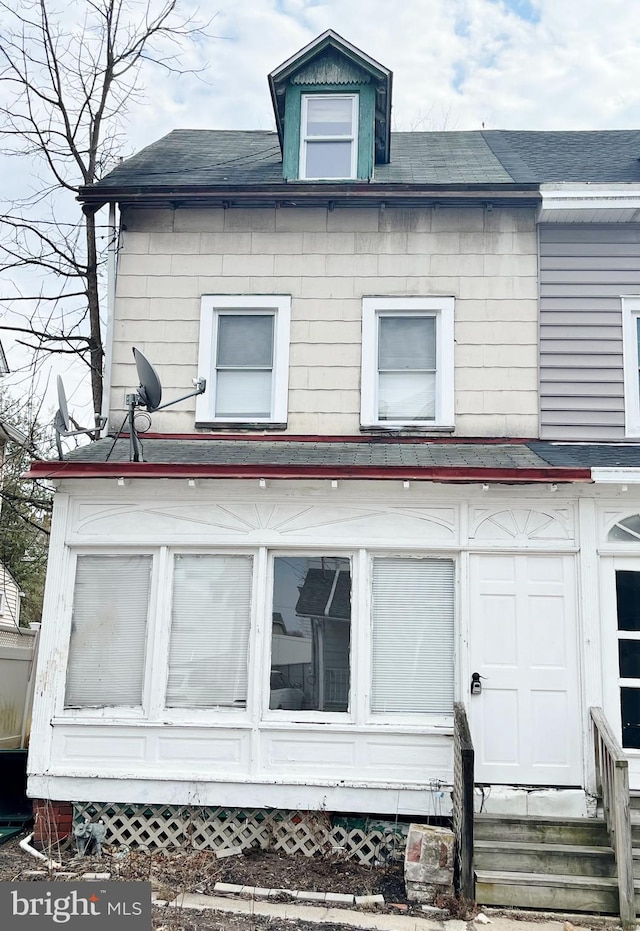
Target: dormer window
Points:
(329, 137)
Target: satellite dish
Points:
(63, 410)
(63, 421)
(149, 395)
(150, 390)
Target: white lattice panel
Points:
(294, 832)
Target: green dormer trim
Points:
(291, 154)
(330, 65)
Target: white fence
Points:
(17, 648)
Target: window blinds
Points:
(244, 365)
(413, 629)
(406, 368)
(211, 617)
(108, 631)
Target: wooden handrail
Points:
(463, 781)
(612, 778)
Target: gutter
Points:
(294, 195)
(155, 470)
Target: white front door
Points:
(525, 723)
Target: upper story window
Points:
(328, 137)
(407, 362)
(244, 355)
(631, 342)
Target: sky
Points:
(457, 65)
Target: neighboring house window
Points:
(311, 634)
(108, 631)
(631, 341)
(407, 362)
(3, 603)
(412, 617)
(210, 623)
(244, 355)
(328, 137)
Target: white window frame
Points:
(304, 138)
(310, 716)
(112, 713)
(3, 603)
(442, 309)
(212, 307)
(630, 316)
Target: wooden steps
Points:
(545, 863)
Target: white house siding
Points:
(327, 261)
(584, 270)
(254, 757)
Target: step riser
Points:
(557, 899)
(584, 836)
(565, 864)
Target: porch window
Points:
(413, 629)
(210, 621)
(311, 634)
(108, 631)
(628, 612)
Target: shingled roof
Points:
(187, 160)
(476, 460)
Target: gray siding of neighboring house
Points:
(584, 270)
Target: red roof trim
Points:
(386, 473)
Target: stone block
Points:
(557, 803)
(502, 800)
(342, 897)
(428, 863)
(369, 900)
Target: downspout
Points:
(112, 258)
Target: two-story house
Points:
(415, 463)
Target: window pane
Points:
(243, 394)
(412, 614)
(627, 530)
(311, 633)
(108, 631)
(407, 396)
(407, 343)
(245, 340)
(210, 621)
(630, 702)
(328, 160)
(329, 116)
(628, 600)
(629, 653)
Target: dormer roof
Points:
(330, 59)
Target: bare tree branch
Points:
(64, 93)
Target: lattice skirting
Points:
(307, 832)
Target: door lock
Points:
(476, 684)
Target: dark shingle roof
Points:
(230, 158)
(328, 453)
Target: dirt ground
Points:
(176, 871)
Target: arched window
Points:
(626, 530)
